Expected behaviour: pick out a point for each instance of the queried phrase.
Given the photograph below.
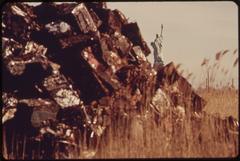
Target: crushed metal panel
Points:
(111, 21)
(106, 91)
(43, 110)
(114, 23)
(16, 67)
(18, 19)
(9, 107)
(121, 17)
(95, 18)
(17, 11)
(109, 54)
(184, 86)
(58, 28)
(84, 19)
(101, 71)
(139, 54)
(61, 90)
(31, 53)
(72, 40)
(34, 48)
(96, 5)
(10, 47)
(132, 32)
(67, 98)
(92, 61)
(8, 114)
(54, 82)
(167, 75)
(181, 91)
(25, 11)
(113, 60)
(105, 42)
(110, 45)
(121, 43)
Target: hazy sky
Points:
(192, 31)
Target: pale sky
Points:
(192, 31)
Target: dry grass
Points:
(167, 139)
(223, 101)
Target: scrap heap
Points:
(74, 67)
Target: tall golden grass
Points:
(212, 70)
(223, 101)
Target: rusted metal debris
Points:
(76, 66)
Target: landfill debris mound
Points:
(71, 69)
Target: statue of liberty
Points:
(157, 50)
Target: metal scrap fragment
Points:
(84, 19)
(9, 107)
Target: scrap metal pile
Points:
(77, 66)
